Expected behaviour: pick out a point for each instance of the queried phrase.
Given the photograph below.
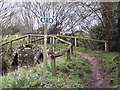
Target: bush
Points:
(96, 32)
(112, 36)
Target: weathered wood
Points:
(45, 52)
(75, 42)
(68, 55)
(57, 37)
(53, 43)
(41, 35)
(36, 35)
(59, 54)
(106, 47)
(71, 37)
(28, 38)
(71, 50)
(63, 52)
(69, 47)
(82, 38)
(62, 40)
(53, 66)
(13, 40)
(50, 40)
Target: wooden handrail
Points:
(96, 40)
(13, 40)
(82, 38)
(62, 40)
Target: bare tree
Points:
(69, 17)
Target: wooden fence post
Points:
(28, 38)
(45, 52)
(53, 66)
(75, 42)
(106, 47)
(53, 43)
(68, 55)
(71, 50)
(50, 40)
(10, 46)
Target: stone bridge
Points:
(24, 55)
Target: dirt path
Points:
(97, 76)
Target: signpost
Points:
(46, 21)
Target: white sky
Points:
(62, 0)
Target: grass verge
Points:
(69, 74)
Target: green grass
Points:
(88, 50)
(80, 49)
(70, 74)
(61, 45)
(111, 67)
(64, 79)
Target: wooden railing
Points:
(76, 39)
(86, 39)
(68, 50)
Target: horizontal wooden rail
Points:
(63, 52)
(69, 37)
(14, 40)
(62, 40)
(40, 35)
(82, 38)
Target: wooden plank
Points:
(50, 40)
(82, 38)
(28, 38)
(71, 50)
(68, 55)
(19, 38)
(45, 52)
(57, 37)
(58, 54)
(65, 36)
(63, 52)
(53, 66)
(13, 40)
(62, 40)
(53, 43)
(75, 42)
(106, 47)
(41, 35)
(69, 47)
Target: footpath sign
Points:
(45, 21)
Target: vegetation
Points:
(111, 68)
(93, 20)
(70, 74)
(97, 32)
